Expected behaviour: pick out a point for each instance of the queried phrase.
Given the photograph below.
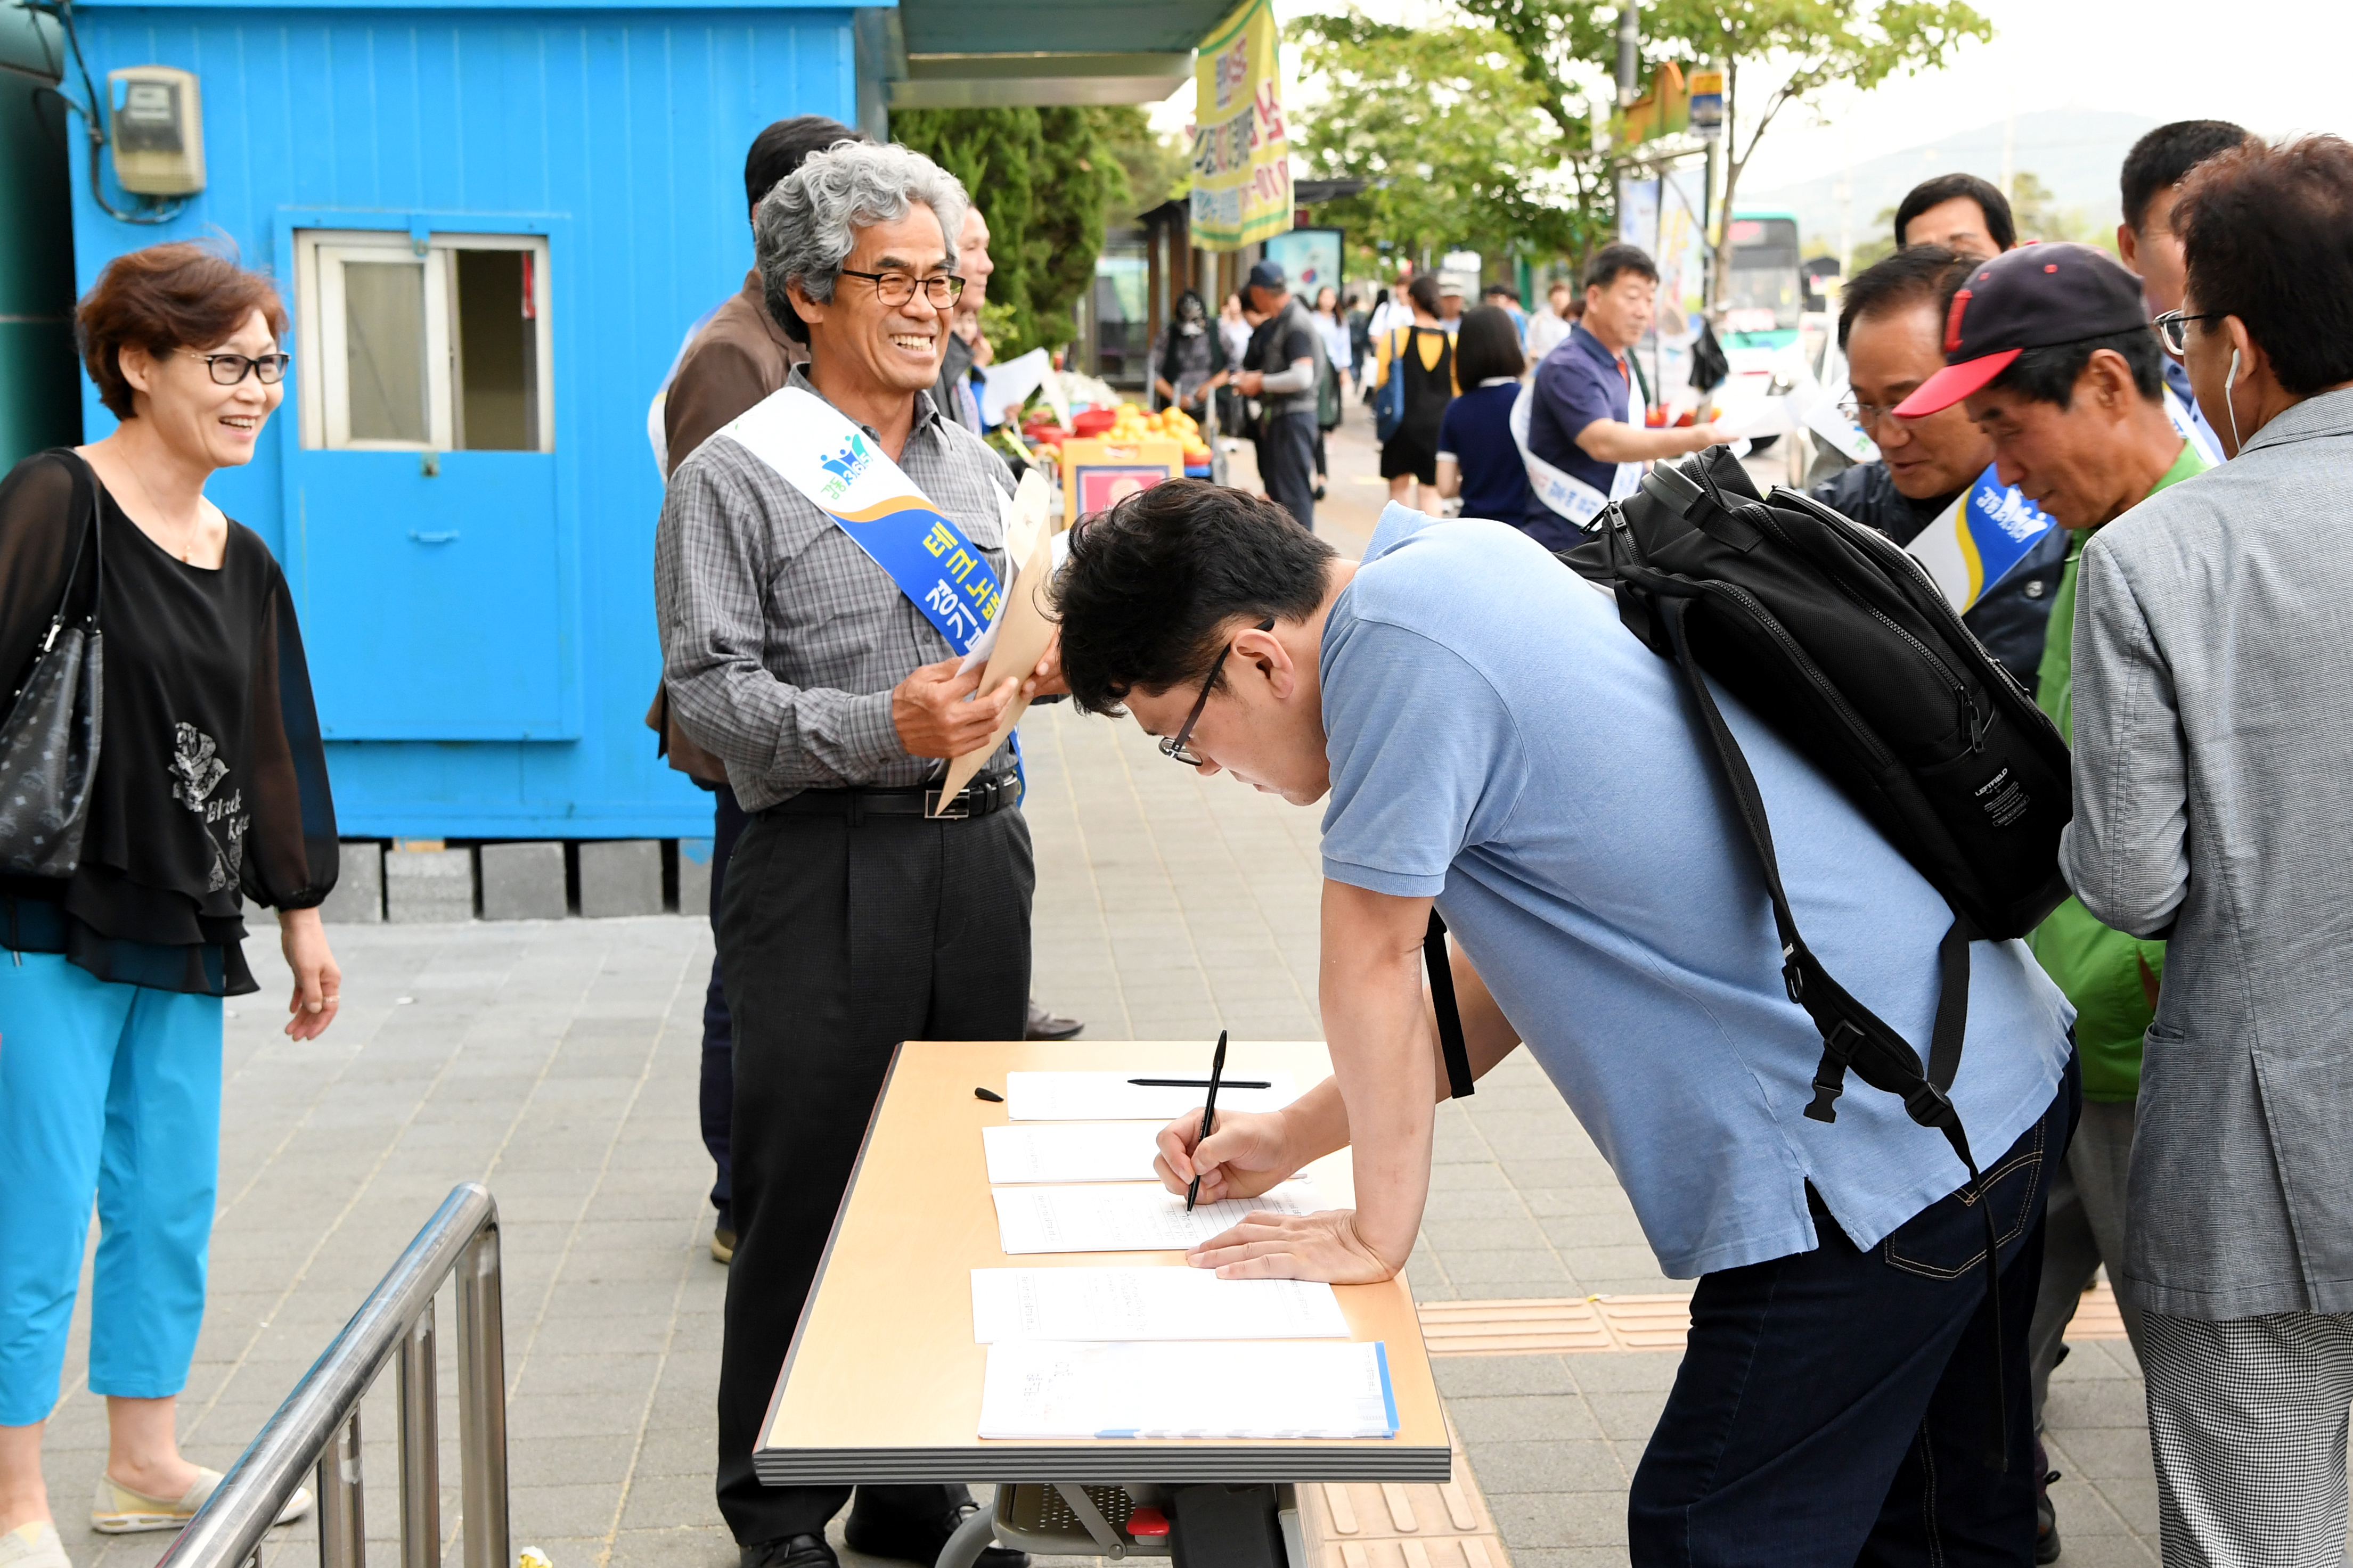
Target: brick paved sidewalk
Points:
(557, 1061)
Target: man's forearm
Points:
(1300, 377)
(1381, 1052)
(1615, 441)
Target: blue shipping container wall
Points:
(481, 623)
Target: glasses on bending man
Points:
(1175, 745)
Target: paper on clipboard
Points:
(1023, 633)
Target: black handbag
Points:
(48, 742)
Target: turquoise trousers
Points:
(107, 1091)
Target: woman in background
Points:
(1424, 353)
(1477, 458)
(211, 789)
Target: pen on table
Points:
(1197, 1083)
(989, 1094)
(1208, 1115)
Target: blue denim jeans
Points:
(111, 1091)
(1833, 1407)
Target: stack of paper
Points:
(1009, 1304)
(1070, 1152)
(1263, 1391)
(1117, 1097)
(1132, 1219)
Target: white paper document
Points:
(1131, 1218)
(1245, 1390)
(1020, 1304)
(1116, 1096)
(1070, 1152)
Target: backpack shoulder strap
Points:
(1459, 1082)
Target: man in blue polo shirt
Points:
(1491, 738)
(1580, 429)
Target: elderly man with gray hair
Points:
(823, 563)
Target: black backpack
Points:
(1840, 641)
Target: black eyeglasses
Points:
(2173, 329)
(1175, 745)
(229, 369)
(893, 289)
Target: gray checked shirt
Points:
(781, 638)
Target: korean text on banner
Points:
(1242, 151)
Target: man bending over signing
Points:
(1491, 738)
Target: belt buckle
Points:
(954, 813)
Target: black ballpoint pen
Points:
(1198, 1083)
(1209, 1116)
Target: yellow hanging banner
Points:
(1241, 151)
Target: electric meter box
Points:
(154, 117)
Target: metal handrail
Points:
(317, 1430)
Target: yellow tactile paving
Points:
(1562, 1325)
(1369, 1525)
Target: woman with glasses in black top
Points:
(210, 789)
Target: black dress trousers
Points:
(836, 942)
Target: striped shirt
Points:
(781, 638)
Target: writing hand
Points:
(1247, 1154)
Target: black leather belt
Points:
(986, 795)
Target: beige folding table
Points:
(883, 1382)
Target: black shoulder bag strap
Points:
(1459, 1082)
(1852, 1035)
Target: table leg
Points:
(971, 1538)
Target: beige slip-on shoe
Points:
(34, 1545)
(119, 1510)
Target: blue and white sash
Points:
(1565, 493)
(1980, 538)
(839, 468)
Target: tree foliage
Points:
(1798, 47)
(1450, 133)
(1045, 179)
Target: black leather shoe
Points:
(1044, 1025)
(791, 1551)
(919, 1541)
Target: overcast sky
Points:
(2274, 66)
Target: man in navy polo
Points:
(1580, 429)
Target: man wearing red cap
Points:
(2049, 347)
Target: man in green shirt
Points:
(2050, 347)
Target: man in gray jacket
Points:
(2213, 713)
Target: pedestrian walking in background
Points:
(1394, 308)
(210, 788)
(1507, 299)
(1282, 369)
(2053, 361)
(1360, 339)
(833, 694)
(2213, 769)
(1477, 458)
(738, 358)
(1549, 326)
(1450, 301)
(2147, 243)
(1422, 354)
(1332, 389)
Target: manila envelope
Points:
(1022, 641)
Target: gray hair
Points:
(803, 230)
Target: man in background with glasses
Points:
(2150, 183)
(816, 666)
(1891, 326)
